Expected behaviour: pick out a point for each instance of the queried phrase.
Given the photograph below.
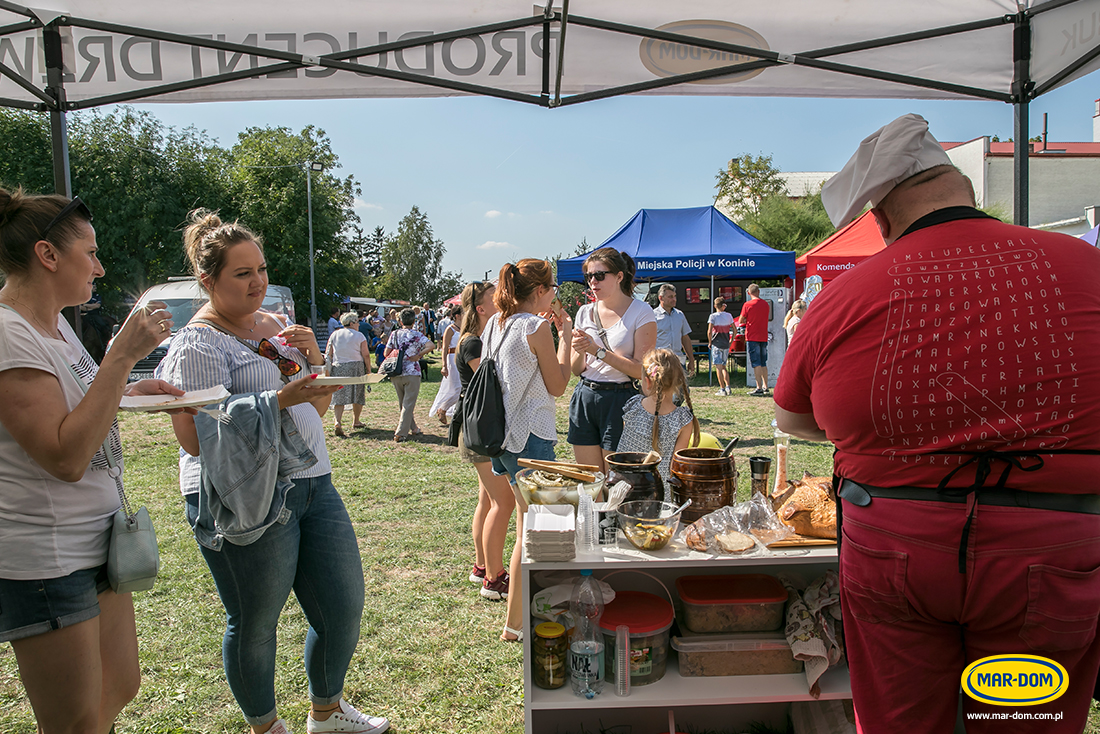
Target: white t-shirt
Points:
(722, 321)
(620, 336)
(50, 528)
(344, 344)
(528, 406)
(790, 327)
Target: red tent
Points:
(842, 251)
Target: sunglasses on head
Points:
(597, 275)
(74, 205)
(287, 367)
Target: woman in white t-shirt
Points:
(612, 335)
(347, 354)
(74, 638)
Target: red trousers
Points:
(913, 622)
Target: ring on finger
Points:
(163, 328)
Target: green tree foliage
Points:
(746, 182)
(572, 295)
(789, 224)
(412, 260)
(268, 189)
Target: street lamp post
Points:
(310, 167)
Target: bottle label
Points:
(586, 665)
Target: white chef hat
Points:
(885, 158)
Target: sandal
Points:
(358, 425)
(339, 431)
(509, 631)
(400, 439)
(417, 432)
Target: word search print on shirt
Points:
(977, 349)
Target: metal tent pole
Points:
(710, 358)
(59, 130)
(1022, 87)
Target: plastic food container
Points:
(649, 618)
(540, 488)
(750, 653)
(733, 603)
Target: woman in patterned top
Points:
(74, 638)
(652, 420)
(407, 384)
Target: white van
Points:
(184, 297)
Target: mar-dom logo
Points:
(667, 58)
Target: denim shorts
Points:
(29, 608)
(596, 416)
(758, 354)
(541, 449)
(719, 356)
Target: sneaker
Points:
(721, 392)
(279, 727)
(346, 720)
(478, 574)
(755, 393)
(729, 391)
(495, 590)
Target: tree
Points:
(572, 295)
(789, 224)
(372, 253)
(268, 188)
(412, 260)
(744, 184)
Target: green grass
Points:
(429, 657)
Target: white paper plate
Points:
(360, 380)
(193, 399)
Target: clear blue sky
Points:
(501, 180)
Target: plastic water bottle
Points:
(586, 643)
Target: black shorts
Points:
(596, 416)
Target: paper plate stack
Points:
(551, 532)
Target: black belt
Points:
(861, 495)
(607, 385)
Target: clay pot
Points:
(705, 477)
(644, 479)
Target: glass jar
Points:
(550, 652)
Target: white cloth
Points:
(885, 158)
(451, 386)
(50, 528)
(620, 337)
(344, 346)
(528, 407)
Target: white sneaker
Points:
(347, 720)
(279, 727)
(721, 392)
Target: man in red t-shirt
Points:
(957, 372)
(754, 317)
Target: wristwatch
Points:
(601, 353)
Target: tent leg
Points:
(710, 362)
(59, 130)
(1022, 87)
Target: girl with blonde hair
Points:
(652, 420)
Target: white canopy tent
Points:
(94, 52)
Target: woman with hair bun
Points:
(612, 334)
(531, 375)
(299, 536)
(74, 638)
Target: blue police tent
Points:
(689, 244)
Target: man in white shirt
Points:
(672, 328)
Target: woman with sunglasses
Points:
(610, 337)
(231, 342)
(74, 638)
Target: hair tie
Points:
(653, 371)
(513, 269)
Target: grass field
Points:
(429, 657)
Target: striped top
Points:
(201, 358)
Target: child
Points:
(652, 420)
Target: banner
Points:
(100, 63)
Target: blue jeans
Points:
(317, 555)
(535, 448)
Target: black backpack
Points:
(483, 406)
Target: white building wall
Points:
(970, 159)
(1060, 189)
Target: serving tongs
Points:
(580, 472)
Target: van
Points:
(184, 297)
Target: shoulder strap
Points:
(599, 327)
(212, 325)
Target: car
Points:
(184, 297)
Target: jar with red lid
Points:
(649, 619)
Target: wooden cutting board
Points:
(801, 541)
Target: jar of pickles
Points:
(550, 654)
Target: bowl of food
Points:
(540, 487)
(648, 524)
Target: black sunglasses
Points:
(74, 205)
(599, 275)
